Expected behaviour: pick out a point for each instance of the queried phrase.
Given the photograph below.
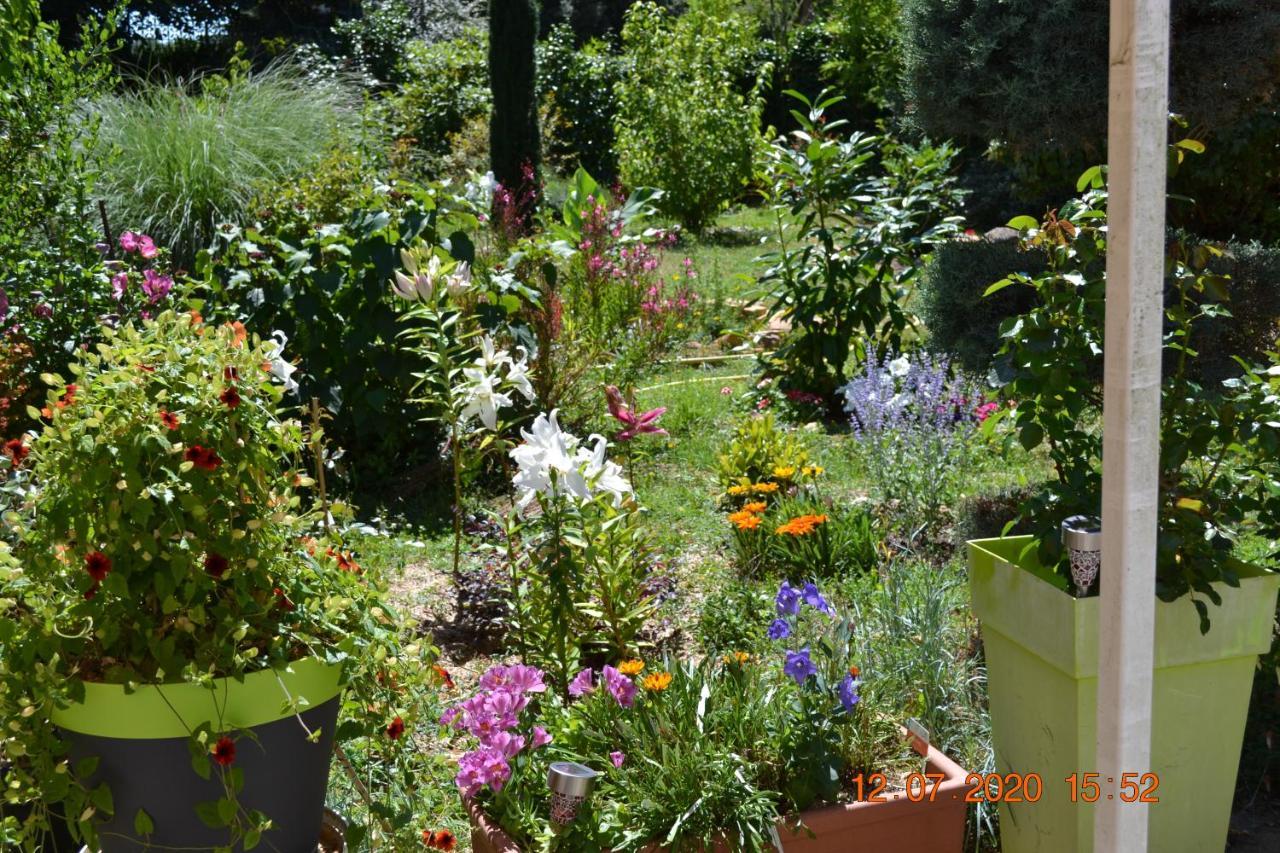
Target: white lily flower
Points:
(280, 368)
(601, 474)
(490, 356)
(546, 462)
(483, 398)
(518, 375)
(460, 281)
(404, 287)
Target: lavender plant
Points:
(913, 423)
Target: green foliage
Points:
(1032, 76)
(1217, 465)
(733, 618)
(446, 84)
(846, 540)
(868, 211)
(191, 155)
(515, 146)
(683, 125)
(758, 449)
(327, 290)
(960, 321)
(866, 52)
(53, 288)
(580, 85)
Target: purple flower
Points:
(507, 744)
(129, 241)
(582, 684)
(449, 715)
(799, 666)
(517, 679)
(779, 629)
(622, 689)
(788, 600)
(155, 285)
(814, 599)
(848, 691)
(4, 305)
(618, 758)
(480, 768)
(146, 246)
(43, 310)
(540, 737)
(119, 283)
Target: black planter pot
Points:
(286, 771)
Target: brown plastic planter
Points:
(896, 826)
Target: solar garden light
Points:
(1082, 537)
(570, 785)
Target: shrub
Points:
(866, 54)
(580, 85)
(960, 320)
(446, 85)
(682, 123)
(327, 290)
(864, 224)
(992, 70)
(191, 155)
(760, 451)
(515, 146)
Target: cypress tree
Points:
(514, 142)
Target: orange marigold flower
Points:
(740, 489)
(657, 681)
(764, 488)
(755, 506)
(746, 521)
(631, 667)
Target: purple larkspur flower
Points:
(779, 629)
(787, 600)
(799, 666)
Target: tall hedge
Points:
(514, 142)
(1032, 75)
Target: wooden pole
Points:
(1137, 130)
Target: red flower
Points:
(395, 728)
(169, 419)
(16, 451)
(215, 565)
(146, 368)
(205, 458)
(346, 561)
(443, 675)
(230, 397)
(282, 600)
(91, 591)
(439, 839)
(231, 374)
(98, 565)
(224, 751)
(634, 423)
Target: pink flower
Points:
(763, 403)
(644, 423)
(119, 283)
(540, 737)
(129, 241)
(985, 411)
(507, 744)
(517, 678)
(147, 247)
(618, 758)
(480, 768)
(726, 391)
(582, 684)
(155, 285)
(621, 688)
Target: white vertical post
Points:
(1138, 117)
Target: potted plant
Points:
(174, 645)
(742, 752)
(1218, 478)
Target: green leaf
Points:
(142, 823)
(1192, 145)
(1024, 223)
(1030, 436)
(998, 286)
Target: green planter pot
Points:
(140, 743)
(1042, 670)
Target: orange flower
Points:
(747, 522)
(657, 681)
(169, 419)
(854, 671)
(739, 658)
(755, 506)
(239, 334)
(740, 489)
(764, 488)
(631, 667)
(802, 525)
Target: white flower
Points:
(460, 281)
(601, 474)
(413, 289)
(551, 462)
(490, 355)
(518, 375)
(899, 366)
(281, 369)
(482, 398)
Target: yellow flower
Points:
(813, 471)
(764, 488)
(740, 489)
(739, 658)
(631, 667)
(657, 681)
(784, 472)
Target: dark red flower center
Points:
(215, 565)
(224, 751)
(98, 565)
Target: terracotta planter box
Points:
(896, 826)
